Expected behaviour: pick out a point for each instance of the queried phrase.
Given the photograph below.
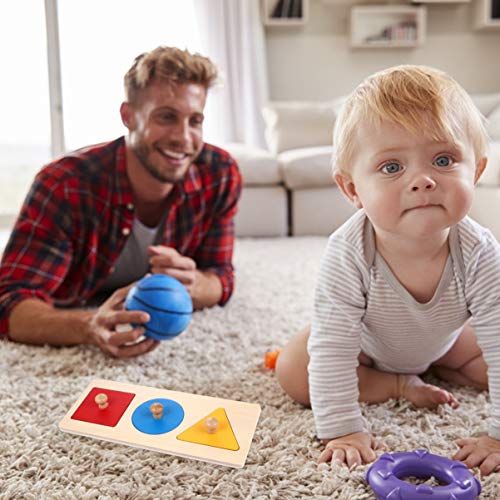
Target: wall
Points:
(315, 61)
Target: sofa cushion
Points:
(307, 167)
(493, 124)
(491, 174)
(486, 103)
(298, 124)
(489, 105)
(258, 166)
(262, 211)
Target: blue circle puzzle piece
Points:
(143, 420)
(384, 477)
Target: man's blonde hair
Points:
(171, 65)
(423, 100)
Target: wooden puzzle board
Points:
(241, 419)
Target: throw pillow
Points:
(298, 124)
(486, 103)
(493, 124)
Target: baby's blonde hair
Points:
(423, 100)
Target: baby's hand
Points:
(483, 451)
(352, 449)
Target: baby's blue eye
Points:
(391, 167)
(443, 161)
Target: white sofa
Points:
(263, 206)
(299, 140)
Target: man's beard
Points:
(143, 152)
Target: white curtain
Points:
(233, 36)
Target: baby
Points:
(409, 283)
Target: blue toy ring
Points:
(383, 476)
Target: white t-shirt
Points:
(133, 262)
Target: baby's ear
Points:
(481, 165)
(346, 185)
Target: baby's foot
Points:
(422, 395)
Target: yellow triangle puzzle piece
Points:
(223, 438)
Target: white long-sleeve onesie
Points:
(361, 306)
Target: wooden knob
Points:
(102, 401)
(211, 424)
(156, 410)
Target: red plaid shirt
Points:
(75, 220)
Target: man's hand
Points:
(204, 286)
(483, 451)
(166, 260)
(352, 449)
(119, 344)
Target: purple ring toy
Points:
(383, 476)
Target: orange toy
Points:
(270, 358)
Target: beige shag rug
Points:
(219, 355)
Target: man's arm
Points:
(207, 289)
(204, 286)
(208, 273)
(33, 321)
(39, 249)
(215, 252)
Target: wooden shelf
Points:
(285, 12)
(387, 26)
(439, 1)
(487, 14)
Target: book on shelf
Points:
(495, 9)
(405, 31)
(278, 7)
(296, 9)
(285, 9)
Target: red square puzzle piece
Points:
(118, 402)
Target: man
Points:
(158, 200)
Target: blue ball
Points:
(167, 302)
